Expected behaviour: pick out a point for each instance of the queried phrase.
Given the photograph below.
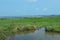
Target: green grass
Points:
(53, 28)
(10, 26)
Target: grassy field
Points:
(11, 26)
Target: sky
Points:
(29, 7)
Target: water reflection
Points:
(35, 35)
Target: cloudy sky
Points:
(29, 7)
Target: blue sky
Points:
(29, 7)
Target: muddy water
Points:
(36, 35)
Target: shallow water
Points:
(36, 35)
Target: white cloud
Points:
(45, 9)
(31, 0)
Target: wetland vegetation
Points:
(12, 26)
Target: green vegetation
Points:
(12, 26)
(53, 29)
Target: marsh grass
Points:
(10, 26)
(53, 28)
